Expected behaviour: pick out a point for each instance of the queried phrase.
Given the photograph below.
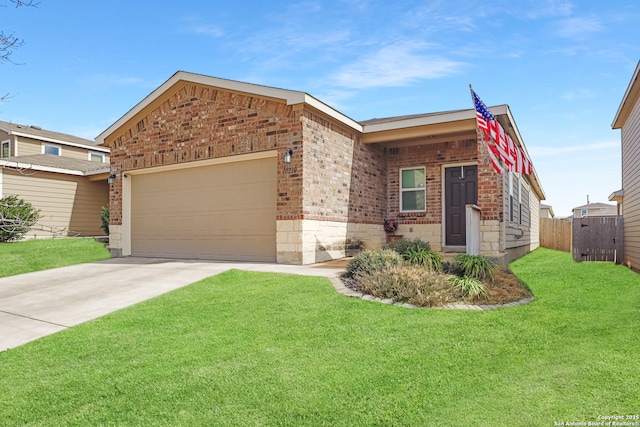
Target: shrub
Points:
(104, 216)
(468, 286)
(403, 246)
(421, 256)
(17, 216)
(475, 266)
(371, 261)
(408, 283)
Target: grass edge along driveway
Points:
(245, 348)
(42, 254)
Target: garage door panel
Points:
(224, 212)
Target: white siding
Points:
(534, 205)
(69, 205)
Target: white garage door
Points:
(226, 212)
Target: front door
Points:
(460, 189)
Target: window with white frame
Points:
(5, 149)
(525, 215)
(511, 196)
(96, 157)
(51, 149)
(519, 200)
(412, 189)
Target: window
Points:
(511, 196)
(51, 149)
(412, 190)
(520, 200)
(96, 157)
(5, 149)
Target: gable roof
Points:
(290, 97)
(374, 130)
(58, 164)
(630, 99)
(36, 132)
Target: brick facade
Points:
(199, 123)
(337, 189)
(344, 180)
(432, 156)
(490, 186)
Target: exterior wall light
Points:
(287, 156)
(111, 179)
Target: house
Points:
(627, 119)
(62, 175)
(594, 209)
(546, 211)
(212, 168)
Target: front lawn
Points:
(42, 254)
(245, 348)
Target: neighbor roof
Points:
(59, 164)
(36, 132)
(548, 207)
(595, 206)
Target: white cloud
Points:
(541, 9)
(576, 28)
(540, 151)
(196, 25)
(112, 80)
(206, 30)
(577, 95)
(395, 65)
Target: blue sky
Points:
(562, 66)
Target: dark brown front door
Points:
(460, 189)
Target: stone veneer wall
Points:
(310, 241)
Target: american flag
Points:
(483, 115)
(500, 145)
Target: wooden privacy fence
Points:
(555, 234)
(597, 239)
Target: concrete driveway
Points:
(37, 304)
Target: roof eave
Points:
(41, 168)
(629, 99)
(291, 97)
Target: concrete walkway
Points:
(37, 304)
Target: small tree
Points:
(104, 216)
(17, 216)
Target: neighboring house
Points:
(595, 209)
(213, 168)
(546, 211)
(627, 119)
(617, 196)
(62, 175)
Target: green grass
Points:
(246, 348)
(35, 255)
